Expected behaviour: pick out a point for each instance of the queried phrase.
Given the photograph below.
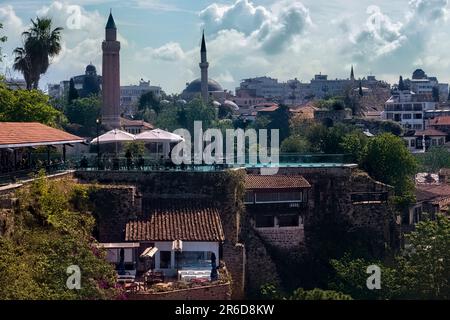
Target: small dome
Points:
(419, 74)
(91, 69)
(181, 101)
(231, 104)
(196, 86)
(165, 101)
(217, 104)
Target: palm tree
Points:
(40, 44)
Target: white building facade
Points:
(408, 109)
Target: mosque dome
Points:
(196, 86)
(419, 74)
(231, 104)
(90, 69)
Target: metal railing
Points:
(91, 162)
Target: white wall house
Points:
(408, 109)
(185, 235)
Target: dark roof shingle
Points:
(183, 222)
(253, 182)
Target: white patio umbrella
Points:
(114, 136)
(160, 136)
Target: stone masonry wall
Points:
(286, 237)
(216, 292)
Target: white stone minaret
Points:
(204, 71)
(111, 77)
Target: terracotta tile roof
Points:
(440, 121)
(23, 134)
(178, 221)
(253, 182)
(432, 192)
(429, 132)
(135, 123)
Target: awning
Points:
(119, 245)
(149, 252)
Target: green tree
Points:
(422, 271)
(51, 234)
(84, 113)
(295, 144)
(148, 100)
(355, 144)
(435, 159)
(280, 119)
(318, 294)
(27, 106)
(401, 84)
(41, 43)
(73, 93)
(136, 148)
(388, 160)
(197, 110)
(425, 266)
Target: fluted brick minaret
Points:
(204, 71)
(111, 77)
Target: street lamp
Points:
(97, 121)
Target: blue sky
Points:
(284, 39)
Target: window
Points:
(267, 197)
(417, 107)
(417, 116)
(193, 259)
(290, 220)
(249, 197)
(407, 107)
(413, 143)
(265, 221)
(164, 259)
(417, 127)
(407, 116)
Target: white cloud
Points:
(12, 28)
(388, 45)
(270, 29)
(242, 16)
(171, 51)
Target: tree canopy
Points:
(27, 106)
(41, 42)
(52, 231)
(421, 271)
(82, 115)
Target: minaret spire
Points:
(352, 75)
(204, 70)
(111, 76)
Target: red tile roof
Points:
(432, 192)
(440, 121)
(186, 222)
(429, 132)
(253, 182)
(136, 123)
(23, 134)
